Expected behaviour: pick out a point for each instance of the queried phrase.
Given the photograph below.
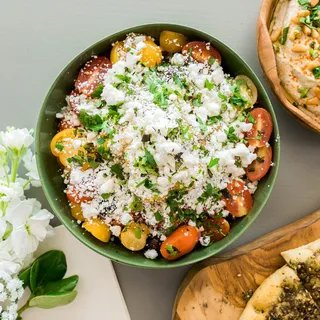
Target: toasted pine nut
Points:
(299, 35)
(295, 20)
(275, 35)
(292, 36)
(313, 64)
(313, 3)
(316, 91)
(300, 48)
(314, 34)
(303, 13)
(313, 101)
(306, 30)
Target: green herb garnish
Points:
(97, 92)
(93, 123)
(213, 162)
(59, 146)
(284, 35)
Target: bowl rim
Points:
(113, 255)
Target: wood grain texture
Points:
(268, 62)
(215, 288)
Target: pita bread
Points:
(305, 261)
(281, 296)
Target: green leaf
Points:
(93, 123)
(213, 162)
(137, 232)
(150, 159)
(25, 277)
(136, 205)
(303, 92)
(158, 216)
(53, 300)
(59, 146)
(97, 92)
(208, 85)
(284, 35)
(118, 171)
(51, 266)
(34, 273)
(316, 72)
(60, 286)
(251, 118)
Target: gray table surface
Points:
(39, 37)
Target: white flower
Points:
(30, 225)
(30, 164)
(11, 192)
(17, 138)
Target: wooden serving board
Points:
(215, 288)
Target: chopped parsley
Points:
(173, 251)
(316, 72)
(213, 162)
(208, 84)
(303, 92)
(284, 35)
(97, 92)
(158, 216)
(118, 171)
(93, 123)
(59, 146)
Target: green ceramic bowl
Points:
(49, 169)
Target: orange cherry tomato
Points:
(180, 242)
(259, 167)
(75, 196)
(215, 228)
(261, 131)
(118, 52)
(91, 75)
(240, 201)
(201, 51)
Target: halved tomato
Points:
(74, 195)
(91, 75)
(215, 228)
(259, 167)
(201, 51)
(261, 130)
(74, 101)
(239, 202)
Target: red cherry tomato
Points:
(201, 51)
(74, 101)
(215, 228)
(240, 201)
(180, 242)
(91, 75)
(261, 131)
(259, 167)
(74, 195)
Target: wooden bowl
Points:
(268, 62)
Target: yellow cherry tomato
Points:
(134, 237)
(76, 211)
(118, 52)
(59, 138)
(172, 41)
(151, 54)
(98, 229)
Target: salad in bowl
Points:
(161, 151)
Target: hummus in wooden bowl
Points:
(288, 37)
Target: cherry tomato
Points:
(74, 101)
(240, 201)
(259, 167)
(67, 134)
(172, 41)
(98, 229)
(180, 242)
(64, 124)
(215, 228)
(75, 196)
(134, 236)
(248, 90)
(201, 51)
(151, 54)
(91, 75)
(261, 131)
(118, 52)
(76, 211)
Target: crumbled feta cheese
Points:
(151, 254)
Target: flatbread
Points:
(281, 296)
(305, 261)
